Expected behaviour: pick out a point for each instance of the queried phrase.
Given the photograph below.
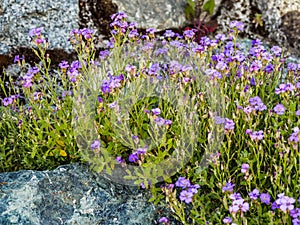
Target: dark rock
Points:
(71, 194)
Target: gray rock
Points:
(17, 17)
(71, 194)
(159, 14)
(281, 20)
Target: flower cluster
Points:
(255, 135)
(114, 82)
(134, 157)
(189, 190)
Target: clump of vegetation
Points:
(211, 128)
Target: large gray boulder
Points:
(17, 17)
(71, 194)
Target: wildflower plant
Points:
(210, 128)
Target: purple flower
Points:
(220, 37)
(100, 100)
(235, 196)
(134, 157)
(292, 66)
(255, 66)
(95, 145)
(285, 203)
(296, 221)
(237, 205)
(245, 167)
(260, 107)
(18, 58)
(142, 150)
(252, 81)
(265, 198)
(281, 89)
(227, 220)
(159, 121)
(133, 34)
(219, 120)
(237, 24)
(276, 50)
(35, 32)
(229, 124)
(104, 54)
(193, 188)
(182, 182)
(279, 109)
(213, 73)
(255, 101)
(228, 187)
(221, 65)
(119, 159)
(189, 34)
(295, 137)
(87, 33)
(64, 64)
(164, 220)
(7, 101)
(186, 196)
(150, 30)
(269, 68)
(168, 122)
(254, 194)
(119, 16)
(295, 213)
(274, 206)
(27, 84)
(169, 33)
(257, 135)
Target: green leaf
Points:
(209, 6)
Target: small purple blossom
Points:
(182, 182)
(18, 58)
(239, 205)
(163, 220)
(35, 32)
(276, 50)
(229, 124)
(237, 24)
(228, 187)
(159, 121)
(63, 65)
(227, 220)
(189, 34)
(245, 167)
(95, 145)
(254, 194)
(134, 157)
(7, 101)
(265, 198)
(186, 196)
(193, 188)
(119, 159)
(285, 203)
(169, 33)
(295, 137)
(279, 109)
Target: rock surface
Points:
(159, 14)
(280, 20)
(71, 194)
(17, 17)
